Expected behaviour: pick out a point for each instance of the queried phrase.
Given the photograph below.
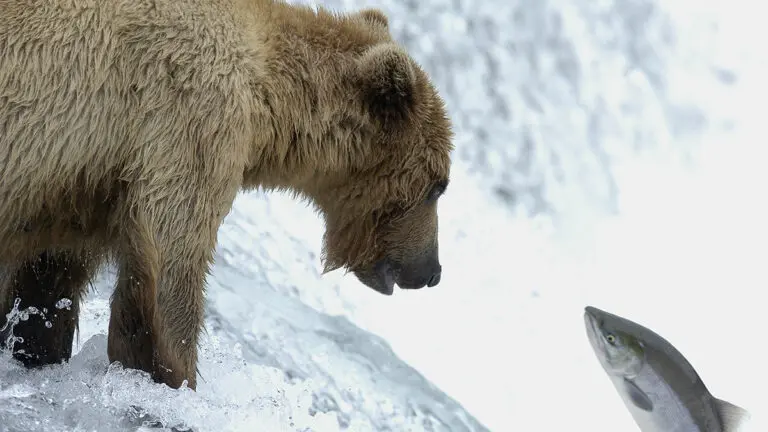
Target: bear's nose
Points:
(435, 278)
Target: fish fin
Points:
(732, 416)
(638, 397)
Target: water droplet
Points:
(64, 303)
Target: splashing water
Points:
(64, 303)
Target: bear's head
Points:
(360, 131)
(381, 210)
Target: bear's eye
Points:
(437, 190)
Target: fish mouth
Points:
(592, 323)
(592, 312)
(591, 319)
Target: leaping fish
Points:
(658, 385)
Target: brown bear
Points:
(128, 127)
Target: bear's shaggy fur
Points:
(127, 127)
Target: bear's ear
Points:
(387, 79)
(374, 16)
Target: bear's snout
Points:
(435, 279)
(419, 273)
(419, 278)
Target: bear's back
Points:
(99, 93)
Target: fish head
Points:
(620, 352)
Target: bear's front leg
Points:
(132, 339)
(158, 304)
(180, 309)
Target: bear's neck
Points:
(306, 129)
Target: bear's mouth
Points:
(386, 275)
(381, 277)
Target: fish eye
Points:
(610, 338)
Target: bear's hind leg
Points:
(53, 283)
